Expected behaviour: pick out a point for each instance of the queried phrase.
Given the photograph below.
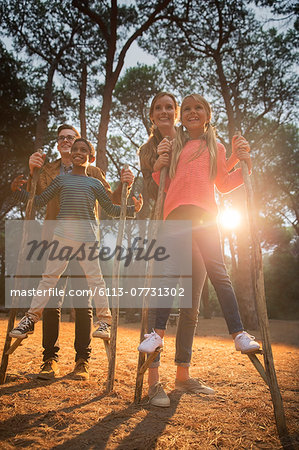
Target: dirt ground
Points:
(64, 413)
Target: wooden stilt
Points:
(107, 347)
(258, 365)
(8, 349)
(147, 284)
(4, 361)
(143, 368)
(111, 353)
(18, 342)
(258, 283)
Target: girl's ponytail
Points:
(179, 142)
(212, 146)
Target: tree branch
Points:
(82, 6)
(151, 19)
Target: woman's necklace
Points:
(67, 168)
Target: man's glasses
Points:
(69, 138)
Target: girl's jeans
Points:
(206, 246)
(179, 233)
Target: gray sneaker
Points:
(24, 327)
(193, 386)
(103, 331)
(157, 396)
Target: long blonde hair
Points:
(209, 137)
(148, 151)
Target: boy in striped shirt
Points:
(76, 223)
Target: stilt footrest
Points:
(15, 345)
(258, 365)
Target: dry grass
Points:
(64, 413)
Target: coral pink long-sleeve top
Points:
(191, 184)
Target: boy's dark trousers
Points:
(83, 317)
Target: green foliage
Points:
(56, 39)
(16, 115)
(224, 53)
(130, 112)
(274, 234)
(282, 283)
(130, 124)
(17, 119)
(142, 80)
(276, 177)
(287, 10)
(17, 126)
(41, 27)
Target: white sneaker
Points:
(152, 341)
(245, 343)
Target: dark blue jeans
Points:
(83, 319)
(205, 244)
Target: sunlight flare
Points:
(229, 218)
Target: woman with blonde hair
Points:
(164, 112)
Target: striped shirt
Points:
(78, 195)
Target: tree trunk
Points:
(233, 254)
(41, 126)
(83, 89)
(244, 288)
(226, 95)
(112, 71)
(102, 160)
